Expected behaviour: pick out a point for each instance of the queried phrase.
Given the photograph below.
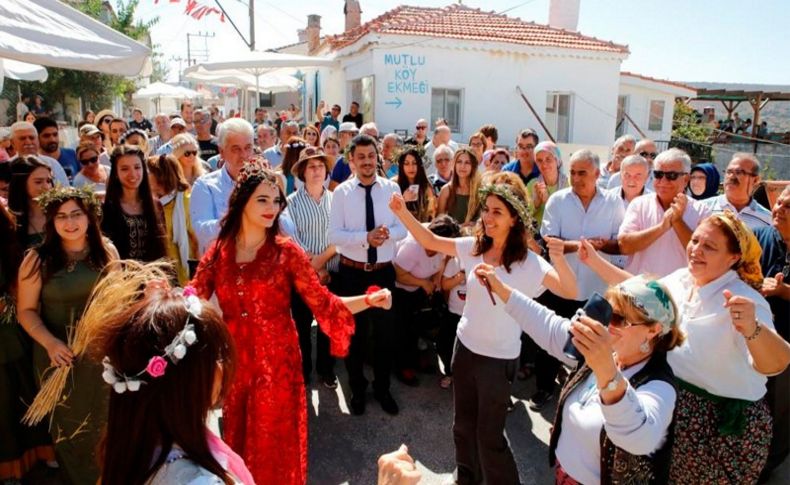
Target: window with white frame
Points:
(558, 116)
(446, 103)
(656, 120)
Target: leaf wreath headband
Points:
(174, 352)
(505, 192)
(53, 198)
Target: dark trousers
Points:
(446, 340)
(405, 305)
(376, 322)
(324, 362)
(778, 399)
(546, 366)
(481, 393)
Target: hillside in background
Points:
(776, 113)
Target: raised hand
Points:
(397, 204)
(594, 342)
(556, 247)
(774, 286)
(742, 312)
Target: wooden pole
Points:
(641, 133)
(535, 114)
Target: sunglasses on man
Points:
(671, 176)
(648, 154)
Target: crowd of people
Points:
(657, 306)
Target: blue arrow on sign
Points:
(395, 103)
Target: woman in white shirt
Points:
(488, 340)
(722, 423)
(614, 413)
(92, 172)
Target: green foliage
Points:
(689, 134)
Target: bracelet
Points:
(757, 329)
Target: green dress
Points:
(459, 208)
(77, 421)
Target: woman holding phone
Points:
(613, 418)
(415, 186)
(488, 340)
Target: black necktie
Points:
(370, 220)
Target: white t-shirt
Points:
(456, 300)
(484, 328)
(411, 257)
(714, 355)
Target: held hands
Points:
(587, 252)
(742, 312)
(398, 468)
(556, 248)
(59, 353)
(594, 342)
(378, 236)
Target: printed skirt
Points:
(701, 454)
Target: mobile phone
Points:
(414, 188)
(596, 308)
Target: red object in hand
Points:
(371, 290)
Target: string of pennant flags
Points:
(197, 10)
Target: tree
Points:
(689, 134)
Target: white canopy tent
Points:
(50, 33)
(257, 64)
(21, 71)
(273, 82)
(164, 90)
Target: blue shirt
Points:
(68, 160)
(515, 167)
(773, 260)
(273, 155)
(208, 204)
(328, 120)
(165, 149)
(341, 171)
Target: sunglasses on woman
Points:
(88, 161)
(619, 321)
(671, 176)
(190, 153)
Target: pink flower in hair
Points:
(156, 366)
(189, 291)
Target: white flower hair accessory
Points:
(175, 351)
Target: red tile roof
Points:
(661, 81)
(462, 22)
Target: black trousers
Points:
(481, 393)
(445, 341)
(405, 305)
(546, 366)
(374, 322)
(303, 317)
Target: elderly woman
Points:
(704, 181)
(612, 421)
(722, 423)
(92, 172)
(187, 152)
(499, 158)
(551, 178)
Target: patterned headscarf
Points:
(650, 297)
(748, 268)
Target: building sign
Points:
(404, 78)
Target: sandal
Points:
(445, 382)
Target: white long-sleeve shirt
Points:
(637, 423)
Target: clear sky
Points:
(683, 40)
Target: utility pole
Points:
(199, 53)
(252, 25)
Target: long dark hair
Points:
(18, 198)
(473, 206)
(112, 214)
(420, 206)
(231, 223)
(51, 255)
(291, 153)
(516, 248)
(143, 426)
(10, 251)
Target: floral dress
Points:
(265, 413)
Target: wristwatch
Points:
(612, 385)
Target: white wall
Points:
(638, 108)
(488, 80)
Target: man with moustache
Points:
(740, 179)
(24, 140)
(365, 230)
(49, 145)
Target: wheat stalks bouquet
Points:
(111, 298)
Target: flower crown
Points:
(175, 351)
(253, 169)
(505, 192)
(56, 197)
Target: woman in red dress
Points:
(253, 270)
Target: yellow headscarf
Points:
(748, 268)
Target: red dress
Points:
(265, 413)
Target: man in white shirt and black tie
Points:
(365, 230)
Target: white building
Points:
(649, 103)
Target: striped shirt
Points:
(312, 223)
(753, 215)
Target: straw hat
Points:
(308, 154)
